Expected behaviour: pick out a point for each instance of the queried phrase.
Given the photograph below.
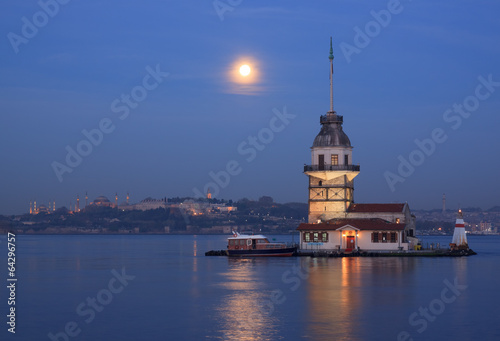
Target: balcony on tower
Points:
(331, 117)
(327, 167)
(329, 171)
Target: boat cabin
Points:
(251, 242)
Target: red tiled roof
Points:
(362, 224)
(364, 208)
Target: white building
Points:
(144, 205)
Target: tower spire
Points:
(331, 76)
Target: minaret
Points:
(444, 203)
(331, 173)
(116, 199)
(31, 208)
(77, 203)
(86, 199)
(34, 207)
(128, 197)
(459, 240)
(54, 205)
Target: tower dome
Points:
(331, 133)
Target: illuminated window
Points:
(324, 237)
(397, 220)
(335, 159)
(384, 237)
(307, 237)
(315, 236)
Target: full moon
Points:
(245, 70)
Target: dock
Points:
(340, 254)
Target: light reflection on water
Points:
(340, 289)
(241, 313)
(331, 302)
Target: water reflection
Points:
(341, 290)
(460, 267)
(243, 313)
(459, 308)
(195, 253)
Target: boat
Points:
(245, 245)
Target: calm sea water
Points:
(164, 288)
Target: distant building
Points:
(335, 222)
(485, 226)
(225, 209)
(102, 201)
(147, 204)
(47, 209)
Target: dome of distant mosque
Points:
(331, 133)
(101, 199)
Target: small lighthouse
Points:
(459, 241)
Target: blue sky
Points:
(396, 88)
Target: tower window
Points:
(346, 159)
(321, 161)
(335, 159)
(320, 183)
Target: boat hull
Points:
(284, 252)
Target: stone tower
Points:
(331, 173)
